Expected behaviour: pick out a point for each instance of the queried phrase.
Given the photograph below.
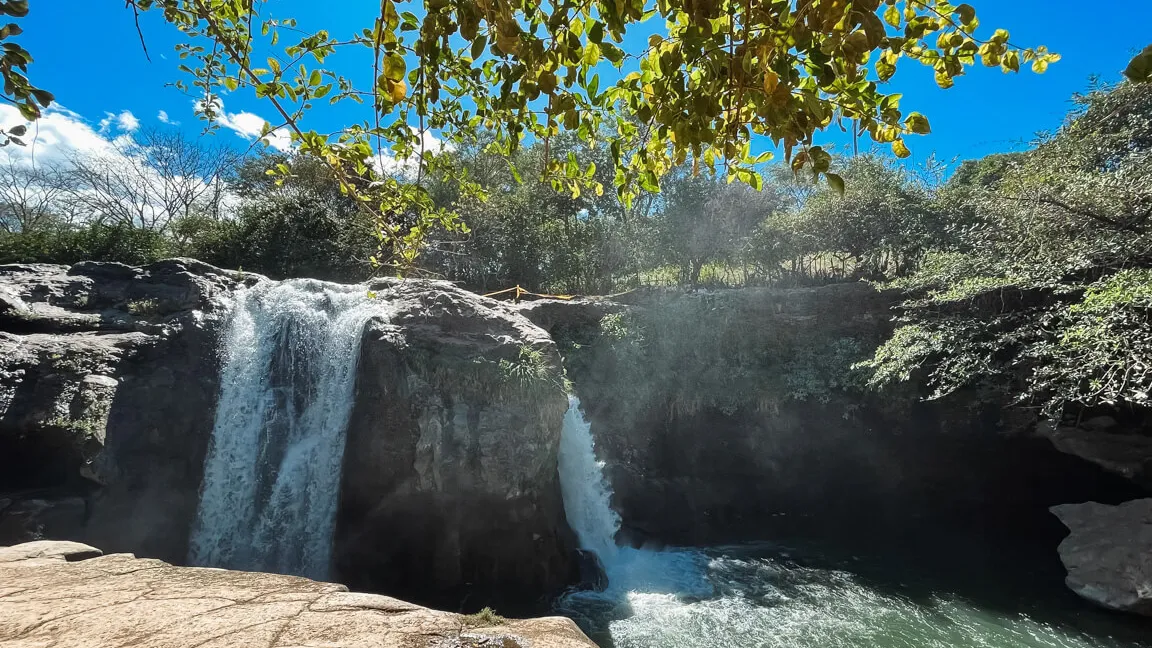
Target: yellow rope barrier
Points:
(520, 292)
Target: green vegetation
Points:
(507, 72)
(692, 352)
(144, 307)
(1044, 292)
(484, 618)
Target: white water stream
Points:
(272, 474)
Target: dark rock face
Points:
(735, 415)
(1123, 451)
(109, 379)
(451, 493)
(1109, 553)
(108, 384)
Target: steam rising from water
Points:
(272, 474)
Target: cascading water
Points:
(587, 496)
(758, 596)
(587, 505)
(272, 474)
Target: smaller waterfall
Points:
(587, 505)
(272, 474)
(587, 496)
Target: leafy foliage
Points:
(14, 61)
(1044, 294)
(723, 72)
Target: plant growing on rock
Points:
(484, 618)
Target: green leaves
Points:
(394, 67)
(836, 182)
(705, 88)
(1139, 70)
(918, 124)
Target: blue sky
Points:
(87, 52)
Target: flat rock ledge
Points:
(1108, 555)
(65, 594)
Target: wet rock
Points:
(1108, 555)
(450, 487)
(592, 575)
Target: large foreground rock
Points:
(51, 596)
(1109, 553)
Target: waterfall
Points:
(272, 473)
(587, 505)
(587, 495)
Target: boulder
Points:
(118, 600)
(1108, 555)
(450, 488)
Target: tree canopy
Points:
(720, 74)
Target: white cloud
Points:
(61, 136)
(388, 164)
(165, 119)
(250, 126)
(58, 131)
(124, 122)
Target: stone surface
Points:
(1127, 455)
(1108, 555)
(118, 600)
(450, 486)
(62, 549)
(109, 377)
(555, 314)
(108, 381)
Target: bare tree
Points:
(151, 178)
(33, 197)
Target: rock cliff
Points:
(450, 487)
(68, 594)
(109, 379)
(737, 415)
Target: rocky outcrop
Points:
(736, 415)
(1108, 554)
(450, 487)
(108, 381)
(1100, 440)
(561, 315)
(65, 595)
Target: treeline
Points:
(161, 195)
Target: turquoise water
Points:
(762, 597)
